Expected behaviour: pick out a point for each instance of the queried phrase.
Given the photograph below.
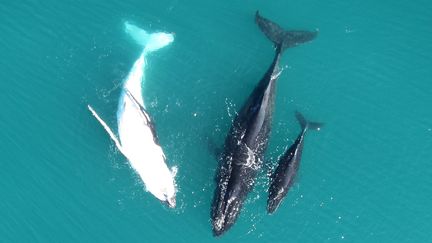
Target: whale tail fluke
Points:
(149, 41)
(283, 39)
(306, 125)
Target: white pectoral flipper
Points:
(107, 128)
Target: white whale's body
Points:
(137, 138)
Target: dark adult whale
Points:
(284, 175)
(247, 139)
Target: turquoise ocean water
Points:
(365, 177)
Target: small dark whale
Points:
(247, 139)
(284, 175)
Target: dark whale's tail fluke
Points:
(283, 38)
(305, 124)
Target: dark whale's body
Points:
(285, 173)
(247, 139)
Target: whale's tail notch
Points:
(149, 41)
(305, 124)
(283, 39)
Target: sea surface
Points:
(365, 177)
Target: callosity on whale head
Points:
(166, 193)
(160, 182)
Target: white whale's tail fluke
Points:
(150, 41)
(107, 128)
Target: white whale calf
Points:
(137, 137)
